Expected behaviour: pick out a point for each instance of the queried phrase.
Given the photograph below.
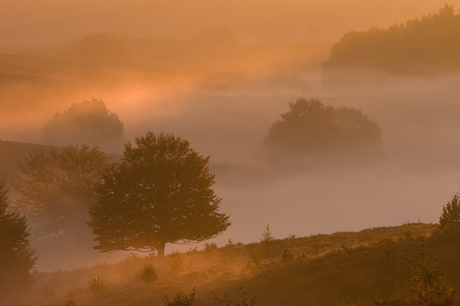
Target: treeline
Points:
(420, 46)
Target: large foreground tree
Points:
(16, 258)
(159, 193)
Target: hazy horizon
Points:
(44, 23)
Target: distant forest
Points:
(423, 46)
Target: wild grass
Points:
(370, 267)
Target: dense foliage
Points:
(423, 45)
(16, 258)
(57, 186)
(314, 129)
(88, 122)
(159, 193)
(450, 217)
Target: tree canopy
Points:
(159, 193)
(16, 258)
(423, 45)
(57, 186)
(450, 217)
(88, 122)
(313, 129)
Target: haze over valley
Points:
(222, 76)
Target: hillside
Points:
(344, 268)
(425, 46)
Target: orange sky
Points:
(44, 22)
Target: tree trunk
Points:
(161, 249)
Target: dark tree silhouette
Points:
(424, 45)
(57, 187)
(88, 122)
(450, 217)
(16, 258)
(314, 129)
(159, 193)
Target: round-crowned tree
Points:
(16, 258)
(159, 193)
(56, 188)
(312, 129)
(88, 122)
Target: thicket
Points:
(421, 45)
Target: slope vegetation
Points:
(347, 268)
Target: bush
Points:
(182, 299)
(176, 263)
(98, 286)
(428, 283)
(148, 274)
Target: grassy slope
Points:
(342, 268)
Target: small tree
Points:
(159, 193)
(16, 258)
(450, 217)
(88, 122)
(267, 235)
(428, 282)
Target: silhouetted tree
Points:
(314, 129)
(57, 187)
(159, 193)
(450, 217)
(419, 46)
(16, 258)
(88, 122)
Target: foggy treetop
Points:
(421, 45)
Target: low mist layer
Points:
(223, 95)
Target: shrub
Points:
(210, 247)
(182, 299)
(226, 301)
(176, 263)
(148, 274)
(428, 283)
(98, 286)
